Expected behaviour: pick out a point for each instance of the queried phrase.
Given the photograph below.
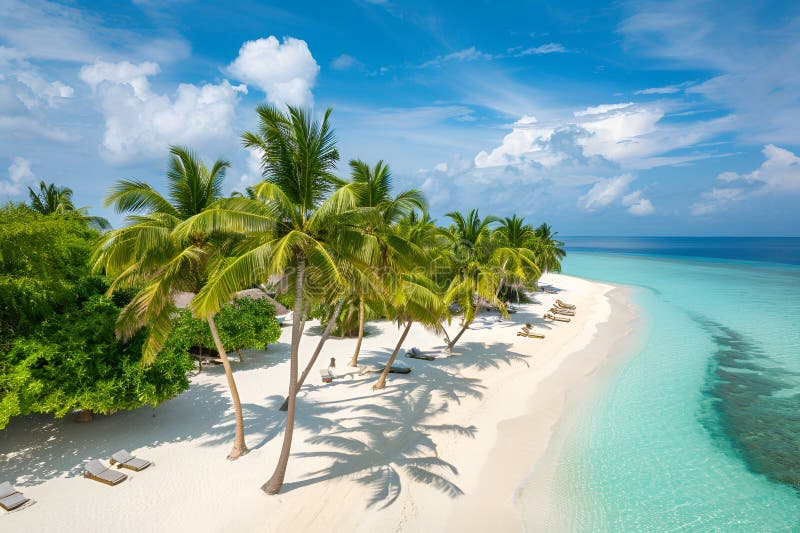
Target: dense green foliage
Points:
(243, 323)
(59, 351)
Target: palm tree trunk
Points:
(310, 365)
(381, 383)
(239, 447)
(354, 360)
(275, 482)
(464, 328)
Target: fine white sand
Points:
(442, 448)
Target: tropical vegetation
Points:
(341, 250)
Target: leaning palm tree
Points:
(372, 189)
(474, 281)
(148, 254)
(416, 298)
(291, 226)
(50, 199)
(549, 250)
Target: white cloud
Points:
(549, 48)
(345, 62)
(20, 176)
(605, 192)
(467, 54)
(778, 174)
(253, 173)
(637, 204)
(285, 71)
(52, 93)
(142, 123)
(40, 29)
(668, 89)
(601, 109)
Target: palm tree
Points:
(372, 189)
(514, 252)
(58, 200)
(416, 298)
(149, 254)
(550, 251)
(293, 227)
(473, 281)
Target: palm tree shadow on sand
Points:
(383, 444)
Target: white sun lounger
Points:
(10, 498)
(123, 459)
(96, 471)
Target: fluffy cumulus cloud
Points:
(140, 122)
(20, 176)
(528, 142)
(779, 173)
(637, 204)
(606, 192)
(625, 135)
(286, 71)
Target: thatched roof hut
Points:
(183, 299)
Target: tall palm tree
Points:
(550, 250)
(149, 254)
(292, 226)
(473, 281)
(50, 199)
(372, 189)
(514, 252)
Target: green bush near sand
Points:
(58, 351)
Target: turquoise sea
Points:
(700, 429)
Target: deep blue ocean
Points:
(700, 429)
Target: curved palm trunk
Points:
(354, 360)
(239, 447)
(464, 328)
(381, 383)
(310, 365)
(275, 482)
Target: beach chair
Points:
(10, 498)
(556, 318)
(559, 311)
(416, 353)
(327, 375)
(96, 471)
(525, 333)
(565, 305)
(123, 459)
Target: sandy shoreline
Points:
(446, 447)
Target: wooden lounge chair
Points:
(559, 311)
(96, 471)
(10, 498)
(123, 459)
(416, 353)
(565, 305)
(327, 375)
(557, 318)
(524, 333)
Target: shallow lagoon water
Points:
(699, 430)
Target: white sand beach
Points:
(445, 447)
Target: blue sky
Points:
(641, 118)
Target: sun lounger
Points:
(548, 316)
(548, 290)
(96, 471)
(123, 459)
(565, 305)
(327, 375)
(416, 353)
(524, 333)
(10, 498)
(559, 311)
